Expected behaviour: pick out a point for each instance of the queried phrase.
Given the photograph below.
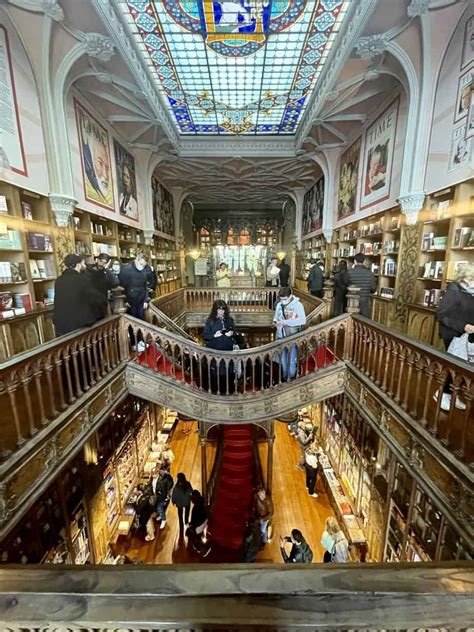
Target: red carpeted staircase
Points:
(235, 488)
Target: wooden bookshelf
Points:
(312, 248)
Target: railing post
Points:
(353, 295)
(118, 300)
(328, 294)
(123, 340)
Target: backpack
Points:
(340, 551)
(306, 554)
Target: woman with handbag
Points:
(456, 325)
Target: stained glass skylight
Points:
(235, 66)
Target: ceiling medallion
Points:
(235, 28)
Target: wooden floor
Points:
(294, 508)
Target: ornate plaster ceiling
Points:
(233, 180)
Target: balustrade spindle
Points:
(49, 380)
(26, 380)
(105, 346)
(468, 400)
(96, 356)
(89, 362)
(391, 391)
(388, 351)
(379, 373)
(407, 385)
(401, 370)
(37, 373)
(11, 390)
(82, 362)
(79, 392)
(67, 370)
(59, 378)
(419, 373)
(455, 393)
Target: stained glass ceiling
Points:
(235, 66)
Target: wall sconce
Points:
(281, 255)
(194, 254)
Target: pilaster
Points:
(62, 208)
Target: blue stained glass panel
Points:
(235, 67)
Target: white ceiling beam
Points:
(346, 117)
(128, 118)
(142, 130)
(334, 131)
(106, 96)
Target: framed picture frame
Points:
(463, 98)
(126, 182)
(467, 55)
(348, 180)
(313, 205)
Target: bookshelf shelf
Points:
(44, 279)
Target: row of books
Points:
(42, 268)
(433, 242)
(464, 237)
(12, 272)
(9, 239)
(82, 248)
(369, 248)
(98, 248)
(101, 229)
(387, 292)
(390, 246)
(39, 241)
(431, 298)
(431, 270)
(390, 267)
(370, 229)
(15, 303)
(128, 253)
(347, 251)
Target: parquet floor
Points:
(294, 508)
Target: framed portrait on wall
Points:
(163, 209)
(463, 99)
(12, 152)
(378, 157)
(348, 179)
(313, 205)
(460, 153)
(468, 43)
(126, 182)
(470, 117)
(95, 159)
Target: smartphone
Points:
(225, 331)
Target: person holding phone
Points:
(219, 334)
(300, 551)
(102, 279)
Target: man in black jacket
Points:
(161, 485)
(145, 511)
(103, 280)
(133, 279)
(316, 280)
(284, 274)
(363, 278)
(76, 300)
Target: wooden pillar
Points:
(405, 283)
(270, 442)
(65, 517)
(403, 556)
(203, 442)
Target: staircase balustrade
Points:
(40, 384)
(245, 371)
(414, 376)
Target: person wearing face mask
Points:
(101, 277)
(116, 267)
(76, 300)
(456, 317)
(289, 318)
(132, 278)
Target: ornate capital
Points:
(372, 46)
(411, 205)
(51, 8)
(98, 46)
(327, 232)
(417, 8)
(148, 237)
(63, 208)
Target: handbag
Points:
(462, 348)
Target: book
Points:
(23, 301)
(3, 204)
(41, 268)
(438, 269)
(27, 210)
(10, 240)
(6, 301)
(35, 273)
(77, 222)
(5, 272)
(428, 241)
(49, 268)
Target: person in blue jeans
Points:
(289, 318)
(161, 485)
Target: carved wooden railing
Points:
(38, 385)
(159, 318)
(245, 371)
(172, 305)
(239, 299)
(270, 597)
(25, 332)
(414, 375)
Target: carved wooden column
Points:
(353, 299)
(62, 208)
(328, 294)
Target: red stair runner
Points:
(235, 488)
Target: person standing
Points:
(341, 281)
(252, 541)
(305, 437)
(76, 301)
(223, 276)
(284, 273)
(360, 276)
(181, 499)
(289, 318)
(264, 510)
(219, 334)
(161, 485)
(145, 510)
(316, 280)
(311, 466)
(455, 316)
(133, 279)
(103, 280)
(300, 551)
(272, 273)
(198, 523)
(335, 543)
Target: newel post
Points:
(353, 299)
(123, 340)
(328, 294)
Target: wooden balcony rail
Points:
(245, 371)
(270, 597)
(38, 385)
(25, 332)
(238, 299)
(159, 318)
(172, 305)
(414, 376)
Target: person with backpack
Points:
(300, 551)
(335, 543)
(288, 320)
(316, 279)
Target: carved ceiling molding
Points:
(411, 204)
(62, 207)
(51, 8)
